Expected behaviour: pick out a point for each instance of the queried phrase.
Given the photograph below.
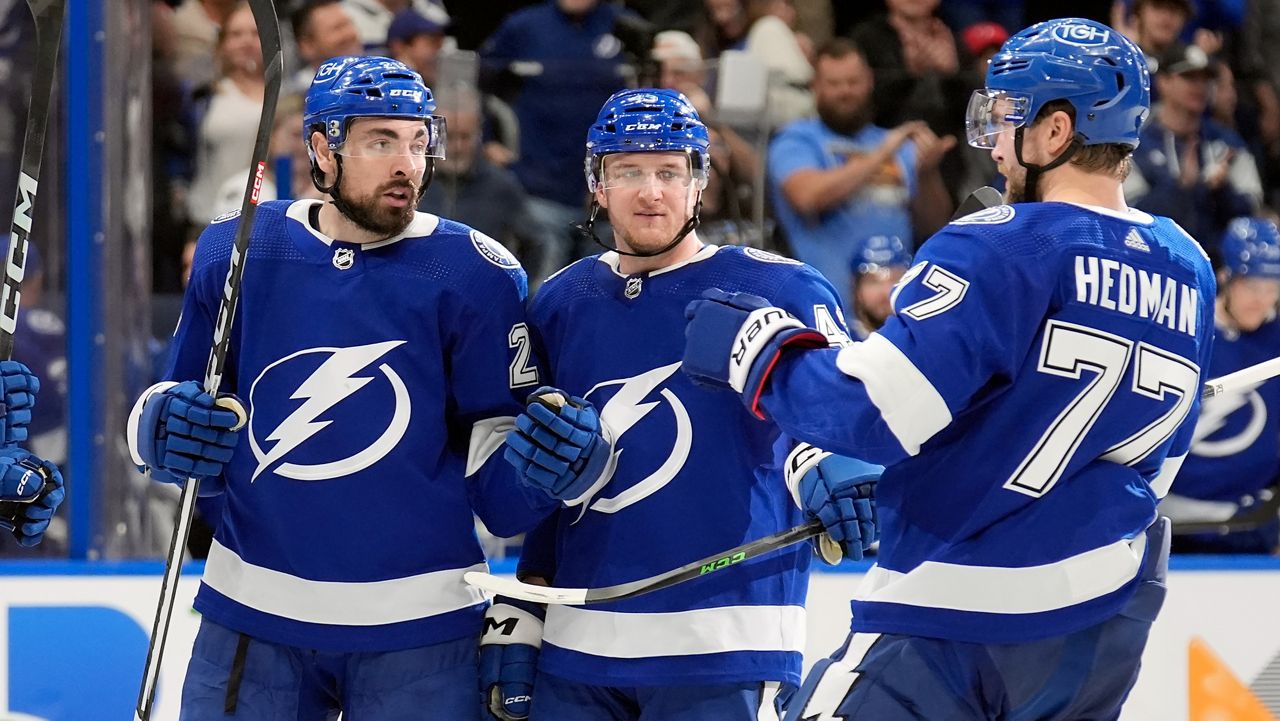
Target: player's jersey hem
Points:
(339, 639)
(976, 627)
(734, 667)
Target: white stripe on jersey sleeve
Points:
(911, 407)
(998, 589)
(487, 436)
(682, 633)
(1168, 471)
(369, 603)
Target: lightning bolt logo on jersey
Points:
(695, 473)
(1235, 451)
(377, 389)
(337, 378)
(621, 412)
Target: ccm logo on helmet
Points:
(642, 127)
(414, 95)
(1082, 35)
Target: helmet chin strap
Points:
(588, 229)
(1035, 171)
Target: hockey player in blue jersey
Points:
(1031, 397)
(1235, 454)
(652, 472)
(376, 352)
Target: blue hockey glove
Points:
(558, 446)
(30, 491)
(733, 340)
(841, 492)
(19, 387)
(509, 657)
(182, 433)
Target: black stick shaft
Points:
(264, 14)
(48, 18)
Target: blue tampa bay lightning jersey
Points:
(1236, 448)
(379, 380)
(695, 474)
(1032, 396)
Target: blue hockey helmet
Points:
(648, 120)
(352, 87)
(880, 252)
(1251, 246)
(1099, 71)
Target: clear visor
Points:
(625, 171)
(430, 144)
(992, 112)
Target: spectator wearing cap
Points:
(877, 266)
(679, 61)
(416, 40)
(1188, 167)
(983, 40)
(373, 18)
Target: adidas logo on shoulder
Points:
(1135, 241)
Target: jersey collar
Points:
(1132, 215)
(423, 224)
(612, 260)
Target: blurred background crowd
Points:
(837, 125)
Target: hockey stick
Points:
(1265, 511)
(584, 596)
(980, 199)
(264, 14)
(48, 18)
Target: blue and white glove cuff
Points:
(135, 417)
(802, 459)
(506, 625)
(757, 330)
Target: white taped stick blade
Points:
(499, 586)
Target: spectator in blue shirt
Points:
(1188, 167)
(569, 57)
(837, 179)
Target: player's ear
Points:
(324, 156)
(602, 198)
(1061, 131)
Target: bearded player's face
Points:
(383, 164)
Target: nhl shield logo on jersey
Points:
(344, 258)
(493, 251)
(634, 285)
(333, 414)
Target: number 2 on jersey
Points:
(522, 373)
(1068, 351)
